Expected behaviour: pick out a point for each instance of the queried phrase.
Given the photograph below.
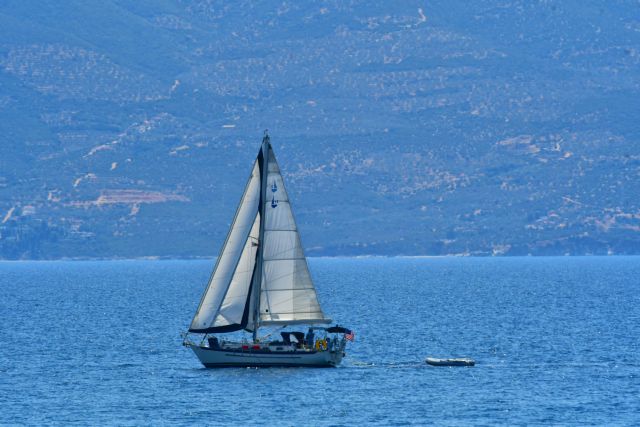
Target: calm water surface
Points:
(555, 339)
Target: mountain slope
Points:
(417, 128)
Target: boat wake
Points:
(387, 365)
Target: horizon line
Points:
(205, 258)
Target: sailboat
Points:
(261, 281)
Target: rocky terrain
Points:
(128, 129)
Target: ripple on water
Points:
(98, 342)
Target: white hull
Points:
(465, 361)
(221, 358)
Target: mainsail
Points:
(263, 241)
(287, 292)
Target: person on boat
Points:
(286, 338)
(309, 339)
(213, 343)
(293, 338)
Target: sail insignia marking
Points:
(274, 187)
(274, 202)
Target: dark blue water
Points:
(555, 340)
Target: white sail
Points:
(261, 276)
(224, 302)
(287, 292)
(234, 305)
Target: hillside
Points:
(128, 129)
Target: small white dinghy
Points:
(463, 361)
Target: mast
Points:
(263, 197)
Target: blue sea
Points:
(556, 342)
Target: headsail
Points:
(287, 292)
(224, 305)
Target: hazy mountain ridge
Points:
(477, 128)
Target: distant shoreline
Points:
(153, 258)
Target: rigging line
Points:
(297, 272)
(292, 300)
(296, 246)
(306, 296)
(294, 243)
(283, 276)
(242, 272)
(297, 268)
(286, 250)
